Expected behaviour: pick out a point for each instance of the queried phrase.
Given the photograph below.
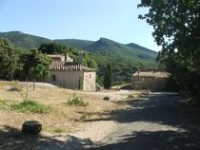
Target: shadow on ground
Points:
(160, 140)
(12, 139)
(163, 109)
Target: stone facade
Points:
(154, 81)
(71, 75)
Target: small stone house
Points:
(154, 81)
(68, 74)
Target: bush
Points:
(30, 106)
(16, 86)
(75, 101)
(2, 102)
(59, 130)
(131, 96)
(83, 117)
(106, 98)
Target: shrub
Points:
(59, 130)
(15, 86)
(30, 106)
(106, 98)
(83, 117)
(131, 96)
(2, 102)
(75, 101)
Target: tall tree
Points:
(35, 65)
(176, 26)
(40, 64)
(108, 77)
(52, 48)
(9, 58)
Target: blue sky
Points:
(78, 19)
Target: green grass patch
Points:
(30, 106)
(131, 96)
(83, 117)
(59, 130)
(2, 102)
(76, 101)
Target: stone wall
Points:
(148, 83)
(89, 81)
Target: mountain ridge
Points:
(4, 34)
(103, 45)
(124, 58)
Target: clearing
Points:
(62, 122)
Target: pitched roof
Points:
(70, 66)
(61, 57)
(151, 74)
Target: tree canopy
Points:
(108, 77)
(176, 26)
(9, 58)
(35, 65)
(52, 48)
(40, 64)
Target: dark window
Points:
(54, 77)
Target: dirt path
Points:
(155, 122)
(158, 122)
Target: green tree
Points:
(41, 62)
(52, 48)
(176, 28)
(40, 67)
(35, 65)
(88, 61)
(108, 77)
(9, 58)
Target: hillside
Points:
(80, 44)
(103, 45)
(124, 58)
(129, 51)
(24, 40)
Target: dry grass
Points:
(61, 118)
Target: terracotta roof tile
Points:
(152, 74)
(70, 66)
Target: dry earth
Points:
(64, 127)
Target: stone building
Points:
(154, 81)
(68, 74)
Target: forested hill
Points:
(80, 44)
(23, 40)
(103, 45)
(125, 59)
(129, 51)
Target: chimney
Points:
(66, 56)
(80, 58)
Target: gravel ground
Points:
(38, 84)
(157, 122)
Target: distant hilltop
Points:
(124, 59)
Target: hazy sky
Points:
(78, 19)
